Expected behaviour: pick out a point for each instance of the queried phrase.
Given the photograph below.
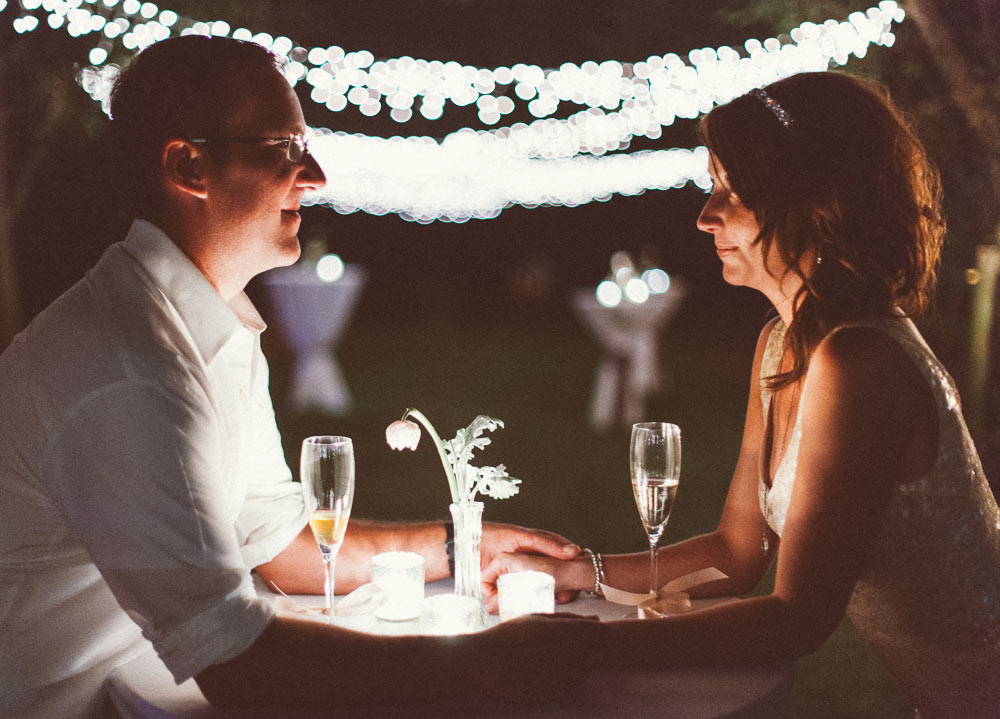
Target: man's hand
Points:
(506, 547)
(498, 538)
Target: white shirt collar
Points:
(209, 319)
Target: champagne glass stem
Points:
(328, 562)
(652, 566)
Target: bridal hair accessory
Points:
(771, 104)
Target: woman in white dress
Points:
(856, 471)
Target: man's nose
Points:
(311, 176)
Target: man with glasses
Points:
(295, 145)
(140, 466)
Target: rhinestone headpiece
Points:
(771, 104)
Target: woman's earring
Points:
(819, 248)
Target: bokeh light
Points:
(609, 294)
(330, 268)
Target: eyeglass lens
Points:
(296, 149)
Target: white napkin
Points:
(363, 600)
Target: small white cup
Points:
(400, 575)
(527, 592)
(451, 614)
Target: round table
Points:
(144, 689)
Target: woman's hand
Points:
(540, 660)
(571, 575)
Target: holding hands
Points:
(571, 570)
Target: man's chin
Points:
(285, 254)
(291, 252)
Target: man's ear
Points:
(183, 164)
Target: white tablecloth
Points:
(311, 316)
(629, 368)
(144, 689)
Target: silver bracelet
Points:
(595, 559)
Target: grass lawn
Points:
(534, 370)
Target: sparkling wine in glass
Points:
(327, 474)
(655, 462)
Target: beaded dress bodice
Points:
(928, 597)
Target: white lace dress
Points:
(928, 598)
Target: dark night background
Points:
(443, 325)
(68, 192)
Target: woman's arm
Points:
(868, 420)
(734, 547)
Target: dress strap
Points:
(771, 361)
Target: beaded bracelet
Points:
(595, 559)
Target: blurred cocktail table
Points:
(628, 337)
(312, 315)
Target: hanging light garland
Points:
(476, 173)
(468, 177)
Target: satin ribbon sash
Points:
(672, 598)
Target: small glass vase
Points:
(467, 519)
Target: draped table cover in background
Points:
(629, 368)
(312, 315)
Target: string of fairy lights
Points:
(574, 151)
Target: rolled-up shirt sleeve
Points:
(135, 471)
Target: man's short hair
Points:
(185, 86)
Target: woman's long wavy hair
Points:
(847, 182)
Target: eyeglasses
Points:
(295, 145)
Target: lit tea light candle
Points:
(451, 614)
(528, 592)
(400, 576)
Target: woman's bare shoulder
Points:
(865, 351)
(870, 361)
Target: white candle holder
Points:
(451, 614)
(528, 592)
(400, 576)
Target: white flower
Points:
(464, 480)
(402, 434)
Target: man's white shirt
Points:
(141, 476)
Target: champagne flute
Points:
(327, 474)
(655, 462)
